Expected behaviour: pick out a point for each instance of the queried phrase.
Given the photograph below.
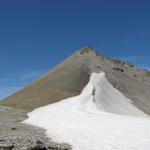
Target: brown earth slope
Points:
(68, 79)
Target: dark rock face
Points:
(36, 146)
(6, 147)
(39, 146)
(118, 69)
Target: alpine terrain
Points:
(89, 101)
(70, 77)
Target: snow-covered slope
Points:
(100, 118)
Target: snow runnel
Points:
(109, 99)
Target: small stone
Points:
(39, 146)
(13, 128)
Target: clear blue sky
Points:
(35, 35)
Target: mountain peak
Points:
(70, 77)
(90, 50)
(86, 50)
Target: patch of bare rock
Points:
(18, 136)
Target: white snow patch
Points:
(100, 118)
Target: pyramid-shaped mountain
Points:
(69, 78)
